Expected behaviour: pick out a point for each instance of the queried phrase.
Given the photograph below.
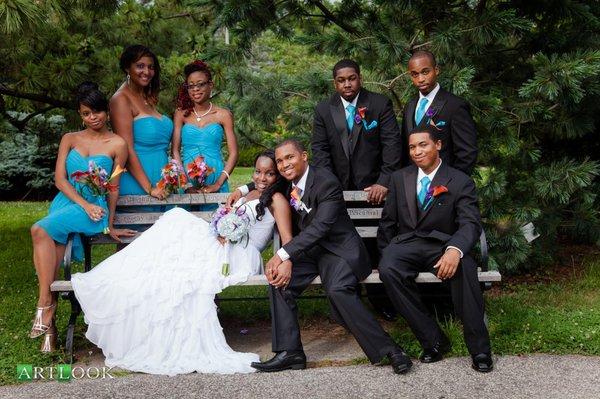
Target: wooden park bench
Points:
(354, 200)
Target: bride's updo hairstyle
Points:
(266, 198)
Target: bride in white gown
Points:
(150, 307)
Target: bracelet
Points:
(226, 174)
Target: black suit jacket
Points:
(459, 136)
(361, 158)
(452, 218)
(327, 225)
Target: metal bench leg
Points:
(75, 312)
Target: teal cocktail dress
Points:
(151, 139)
(205, 141)
(66, 217)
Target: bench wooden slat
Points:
(174, 199)
(144, 218)
(150, 217)
(373, 278)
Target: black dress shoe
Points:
(482, 362)
(286, 360)
(401, 363)
(435, 354)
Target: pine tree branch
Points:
(42, 98)
(294, 93)
(20, 124)
(331, 17)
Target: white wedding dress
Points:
(150, 307)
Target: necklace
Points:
(199, 117)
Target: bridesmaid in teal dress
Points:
(75, 210)
(201, 126)
(135, 118)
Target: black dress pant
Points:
(400, 264)
(340, 285)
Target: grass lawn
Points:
(551, 317)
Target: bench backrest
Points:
(354, 200)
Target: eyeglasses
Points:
(198, 85)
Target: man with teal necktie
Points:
(448, 114)
(430, 223)
(357, 138)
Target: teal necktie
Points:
(425, 181)
(421, 110)
(350, 118)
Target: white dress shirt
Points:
(420, 177)
(301, 186)
(430, 97)
(346, 103)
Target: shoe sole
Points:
(482, 371)
(404, 370)
(291, 367)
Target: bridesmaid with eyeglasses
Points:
(76, 209)
(201, 126)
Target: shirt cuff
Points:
(458, 249)
(244, 190)
(283, 254)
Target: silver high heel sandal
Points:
(50, 339)
(39, 328)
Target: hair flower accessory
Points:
(432, 193)
(360, 117)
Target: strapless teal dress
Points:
(151, 139)
(205, 141)
(66, 217)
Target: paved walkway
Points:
(539, 376)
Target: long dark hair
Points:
(280, 185)
(132, 54)
(183, 101)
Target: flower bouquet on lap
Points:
(96, 182)
(233, 225)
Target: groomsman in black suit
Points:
(325, 244)
(357, 138)
(430, 223)
(362, 151)
(448, 114)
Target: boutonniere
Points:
(297, 203)
(360, 117)
(432, 193)
(431, 112)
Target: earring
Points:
(128, 79)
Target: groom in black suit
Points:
(446, 113)
(356, 137)
(431, 222)
(325, 244)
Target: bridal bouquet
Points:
(172, 178)
(233, 224)
(97, 181)
(199, 170)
